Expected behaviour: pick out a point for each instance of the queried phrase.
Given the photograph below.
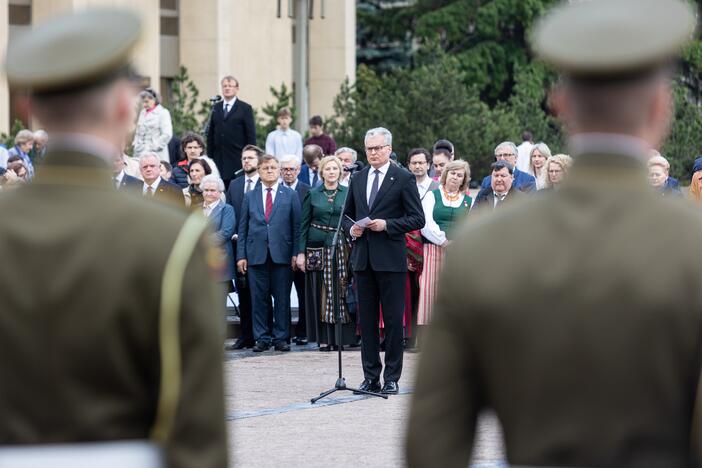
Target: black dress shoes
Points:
(239, 344)
(282, 346)
(369, 386)
(390, 388)
(261, 346)
(300, 341)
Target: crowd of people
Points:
(266, 251)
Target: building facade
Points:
(253, 40)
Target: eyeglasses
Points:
(288, 169)
(375, 149)
(503, 155)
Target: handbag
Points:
(315, 259)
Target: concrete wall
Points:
(332, 53)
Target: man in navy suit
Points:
(154, 186)
(387, 194)
(235, 197)
(121, 179)
(507, 151)
(312, 154)
(267, 247)
(290, 168)
(231, 128)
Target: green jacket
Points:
(80, 332)
(316, 209)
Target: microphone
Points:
(352, 167)
(215, 99)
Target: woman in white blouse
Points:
(154, 128)
(538, 155)
(443, 208)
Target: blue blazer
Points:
(223, 222)
(280, 235)
(523, 181)
(302, 188)
(304, 176)
(130, 183)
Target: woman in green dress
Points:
(321, 210)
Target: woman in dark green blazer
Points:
(320, 216)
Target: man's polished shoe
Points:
(239, 344)
(390, 388)
(282, 346)
(300, 341)
(261, 346)
(369, 386)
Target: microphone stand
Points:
(340, 384)
(206, 128)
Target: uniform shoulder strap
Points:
(169, 321)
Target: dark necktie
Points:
(226, 109)
(150, 191)
(248, 186)
(374, 188)
(315, 179)
(269, 203)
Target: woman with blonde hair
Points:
(695, 192)
(443, 208)
(556, 169)
(538, 155)
(321, 211)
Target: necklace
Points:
(331, 195)
(450, 196)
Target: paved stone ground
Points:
(273, 424)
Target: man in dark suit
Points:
(120, 179)
(290, 168)
(231, 128)
(235, 197)
(501, 188)
(268, 244)
(308, 173)
(507, 151)
(387, 194)
(154, 186)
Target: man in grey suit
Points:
(268, 244)
(588, 353)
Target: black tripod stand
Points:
(341, 381)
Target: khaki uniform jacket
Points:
(80, 287)
(587, 344)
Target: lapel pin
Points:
(392, 178)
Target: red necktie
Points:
(269, 204)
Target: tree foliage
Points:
(266, 123)
(462, 70)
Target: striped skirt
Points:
(428, 281)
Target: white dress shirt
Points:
(264, 193)
(118, 178)
(496, 198)
(423, 187)
(226, 103)
(371, 176)
(253, 179)
(293, 186)
(207, 209)
(153, 186)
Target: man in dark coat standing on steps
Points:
(231, 128)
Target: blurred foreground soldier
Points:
(103, 337)
(587, 356)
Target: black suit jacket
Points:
(485, 199)
(227, 136)
(235, 196)
(130, 183)
(398, 204)
(169, 193)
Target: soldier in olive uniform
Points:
(587, 349)
(109, 323)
